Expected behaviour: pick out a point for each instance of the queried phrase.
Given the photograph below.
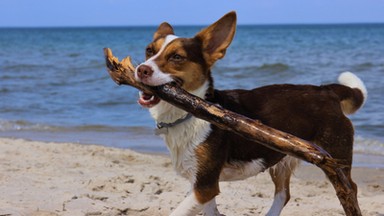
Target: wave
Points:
(17, 76)
(134, 137)
(26, 67)
(363, 66)
(369, 146)
(4, 90)
(74, 55)
(271, 68)
(20, 125)
(276, 67)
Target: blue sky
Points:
(32, 13)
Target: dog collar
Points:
(162, 127)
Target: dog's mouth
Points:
(148, 100)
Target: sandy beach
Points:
(38, 178)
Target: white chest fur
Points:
(182, 140)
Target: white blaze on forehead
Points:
(158, 77)
(168, 39)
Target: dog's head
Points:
(185, 61)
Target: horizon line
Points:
(192, 25)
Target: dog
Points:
(205, 154)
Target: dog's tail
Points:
(352, 92)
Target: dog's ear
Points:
(217, 37)
(163, 30)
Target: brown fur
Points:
(163, 30)
(313, 113)
(189, 68)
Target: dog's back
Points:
(313, 113)
(306, 111)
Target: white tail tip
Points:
(351, 80)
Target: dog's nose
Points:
(144, 71)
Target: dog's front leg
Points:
(189, 206)
(210, 209)
(210, 158)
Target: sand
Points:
(38, 178)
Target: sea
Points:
(54, 85)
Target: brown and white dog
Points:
(204, 153)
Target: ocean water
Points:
(54, 85)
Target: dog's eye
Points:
(176, 58)
(149, 52)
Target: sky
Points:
(65, 13)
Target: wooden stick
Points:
(123, 74)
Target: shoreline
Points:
(148, 143)
(48, 179)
